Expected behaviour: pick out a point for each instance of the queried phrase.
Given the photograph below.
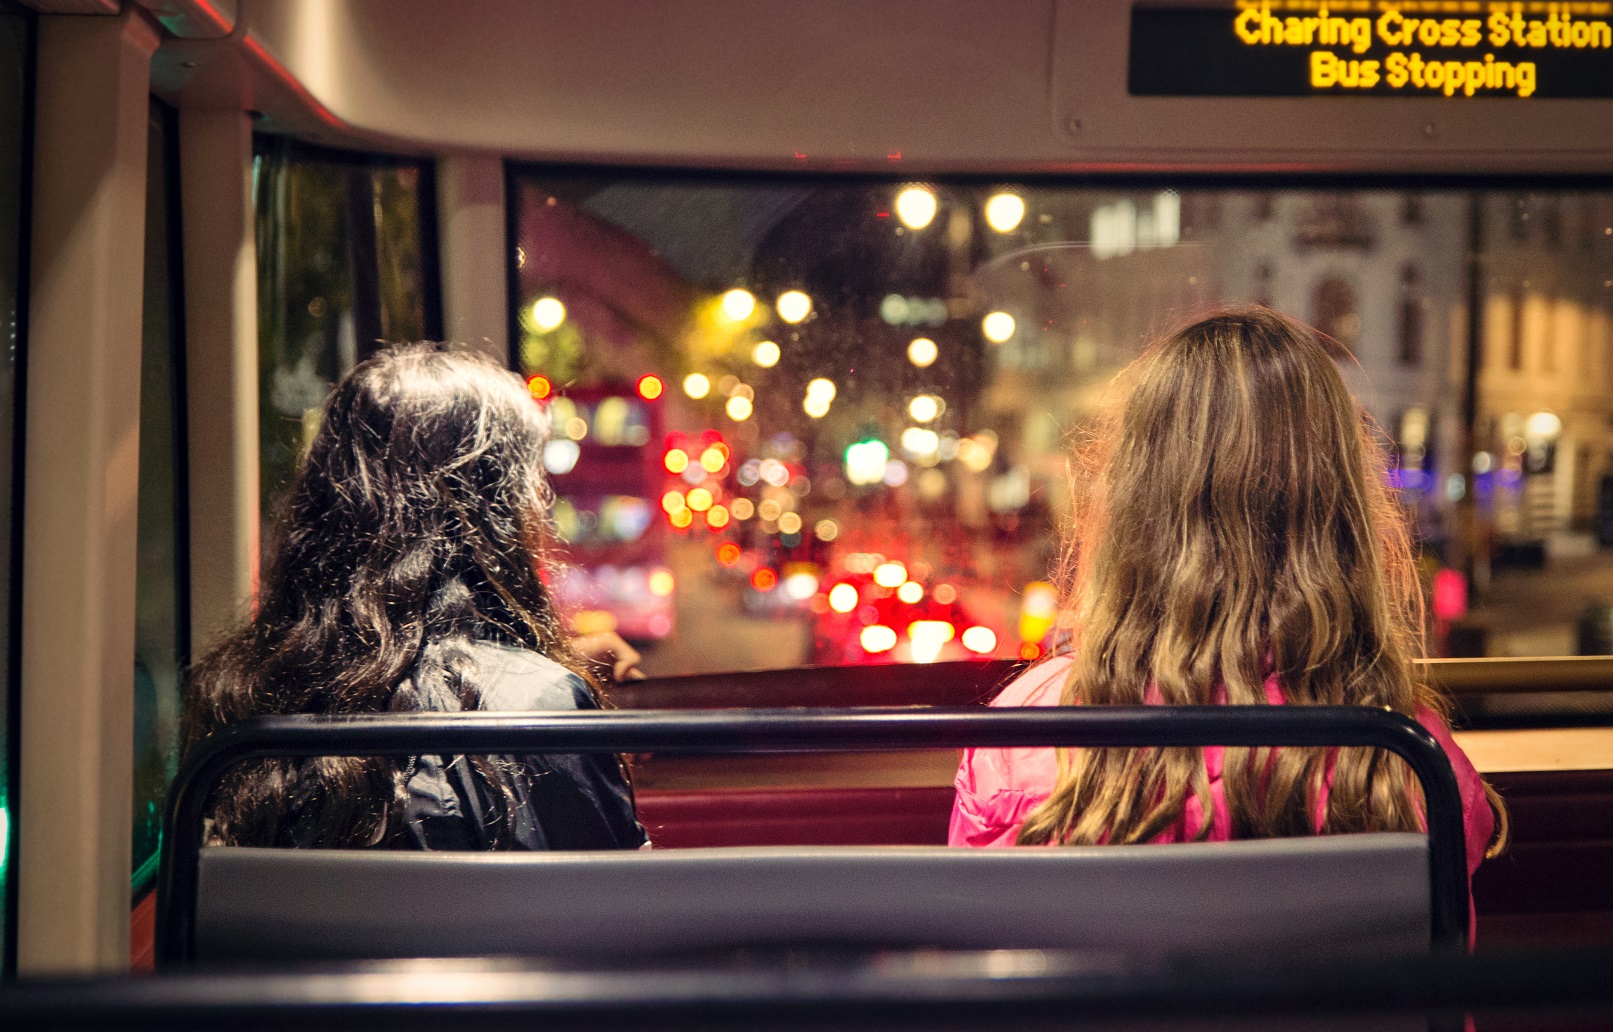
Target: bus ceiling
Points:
(902, 87)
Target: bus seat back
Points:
(1323, 894)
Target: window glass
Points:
(162, 615)
(855, 396)
(346, 261)
(15, 52)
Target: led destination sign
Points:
(1455, 49)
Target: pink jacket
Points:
(997, 788)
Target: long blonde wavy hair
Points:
(1233, 524)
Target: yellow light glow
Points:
(922, 352)
(923, 408)
(742, 508)
(576, 428)
(815, 406)
(793, 306)
(699, 499)
(676, 461)
(919, 442)
(662, 583)
(916, 207)
(697, 385)
(877, 638)
(738, 304)
(769, 509)
(928, 636)
(997, 326)
(789, 523)
(712, 459)
(1004, 212)
(548, 313)
(682, 518)
(843, 598)
(717, 517)
(738, 408)
(672, 502)
(911, 592)
(827, 530)
(765, 354)
(890, 575)
(821, 387)
(980, 639)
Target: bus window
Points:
(896, 370)
(346, 261)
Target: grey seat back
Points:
(1357, 892)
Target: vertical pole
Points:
(81, 483)
(1469, 545)
(475, 269)
(221, 354)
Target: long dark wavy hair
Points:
(415, 527)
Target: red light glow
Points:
(1030, 650)
(650, 387)
(539, 386)
(728, 553)
(764, 579)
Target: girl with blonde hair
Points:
(1234, 543)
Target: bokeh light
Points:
(916, 207)
(793, 306)
(661, 583)
(980, 639)
(738, 408)
(738, 304)
(697, 385)
(997, 326)
(548, 313)
(843, 597)
(765, 354)
(890, 575)
(922, 352)
(650, 387)
(1004, 212)
(877, 638)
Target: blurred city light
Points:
(997, 326)
(548, 313)
(717, 517)
(576, 428)
(539, 387)
(919, 442)
(826, 530)
(738, 304)
(742, 508)
(699, 499)
(789, 523)
(801, 585)
(560, 457)
(696, 385)
(912, 592)
(843, 598)
(681, 519)
(793, 306)
(1038, 607)
(728, 553)
(738, 408)
(676, 461)
(877, 638)
(980, 639)
(816, 407)
(928, 637)
(673, 502)
(865, 462)
(821, 387)
(924, 408)
(650, 387)
(922, 352)
(764, 579)
(1004, 212)
(765, 354)
(890, 575)
(945, 594)
(714, 458)
(916, 206)
(661, 583)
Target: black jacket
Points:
(572, 801)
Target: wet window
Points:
(346, 262)
(826, 421)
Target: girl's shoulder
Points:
(1040, 685)
(515, 679)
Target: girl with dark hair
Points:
(1234, 543)
(407, 576)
